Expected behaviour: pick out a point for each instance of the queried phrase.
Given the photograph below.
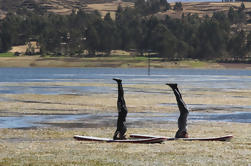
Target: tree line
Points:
(218, 37)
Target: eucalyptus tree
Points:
(237, 45)
(163, 41)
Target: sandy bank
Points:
(120, 62)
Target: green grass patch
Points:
(7, 54)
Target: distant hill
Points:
(63, 7)
(56, 6)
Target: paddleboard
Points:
(222, 138)
(99, 139)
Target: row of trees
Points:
(152, 6)
(216, 37)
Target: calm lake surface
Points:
(16, 81)
(192, 78)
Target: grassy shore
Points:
(56, 146)
(7, 54)
(123, 61)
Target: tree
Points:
(106, 30)
(1, 44)
(183, 50)
(50, 41)
(242, 7)
(248, 45)
(141, 36)
(241, 16)
(6, 38)
(178, 6)
(163, 41)
(125, 28)
(165, 5)
(237, 45)
(231, 14)
(118, 14)
(151, 6)
(92, 40)
(211, 40)
(141, 6)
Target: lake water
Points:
(14, 81)
(109, 119)
(192, 78)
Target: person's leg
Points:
(122, 112)
(182, 121)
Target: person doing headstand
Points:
(122, 112)
(182, 121)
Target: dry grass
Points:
(203, 8)
(111, 7)
(22, 48)
(55, 146)
(235, 4)
(65, 7)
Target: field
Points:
(54, 145)
(111, 7)
(205, 8)
(65, 7)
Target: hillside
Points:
(65, 7)
(104, 6)
(58, 6)
(208, 8)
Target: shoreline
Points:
(56, 146)
(113, 62)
